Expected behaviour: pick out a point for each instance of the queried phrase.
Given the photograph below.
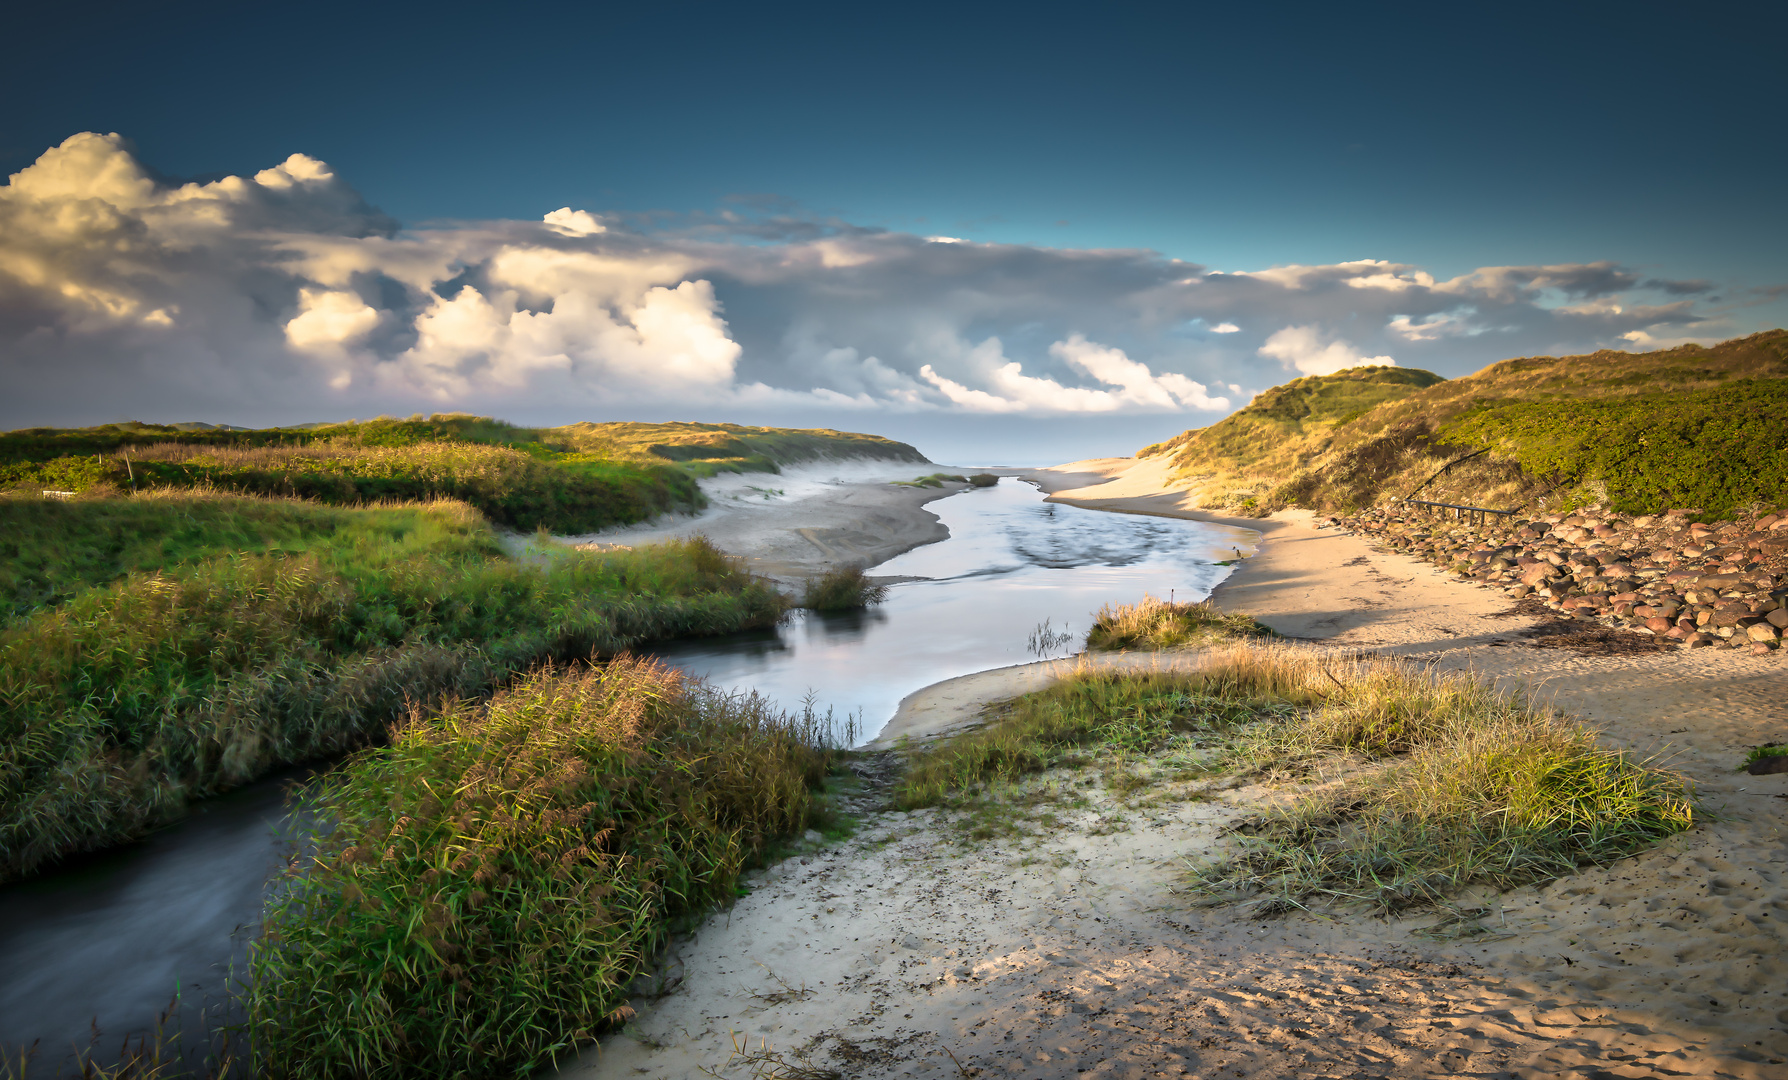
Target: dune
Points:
(908, 951)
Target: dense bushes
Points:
(495, 876)
(571, 493)
(1714, 450)
(123, 703)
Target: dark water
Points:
(114, 937)
(117, 935)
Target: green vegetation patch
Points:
(126, 701)
(492, 880)
(578, 478)
(51, 550)
(1158, 624)
(1715, 449)
(1084, 710)
(935, 480)
(843, 588)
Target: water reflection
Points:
(1011, 563)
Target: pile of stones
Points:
(1721, 584)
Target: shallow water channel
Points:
(113, 937)
(1011, 563)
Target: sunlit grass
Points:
(1449, 783)
(492, 880)
(1157, 624)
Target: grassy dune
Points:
(1701, 427)
(577, 478)
(127, 699)
(1452, 784)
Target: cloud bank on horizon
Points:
(284, 296)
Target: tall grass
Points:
(517, 488)
(1084, 708)
(1159, 624)
(1452, 783)
(1474, 787)
(842, 588)
(495, 876)
(122, 704)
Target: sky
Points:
(1007, 234)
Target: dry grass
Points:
(1158, 624)
(1447, 783)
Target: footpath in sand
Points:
(914, 950)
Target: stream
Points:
(108, 940)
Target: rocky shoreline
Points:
(1721, 584)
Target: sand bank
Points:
(905, 951)
(806, 520)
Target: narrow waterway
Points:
(113, 938)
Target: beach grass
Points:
(1444, 783)
(492, 879)
(1159, 624)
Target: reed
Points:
(126, 702)
(843, 588)
(492, 879)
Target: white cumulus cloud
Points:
(1308, 351)
(281, 295)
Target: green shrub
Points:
(843, 588)
(983, 480)
(1715, 449)
(491, 881)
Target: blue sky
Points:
(709, 142)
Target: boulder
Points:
(1762, 632)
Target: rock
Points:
(1762, 648)
(1538, 573)
(1778, 618)
(1658, 624)
(1766, 766)
(1762, 632)
(1698, 641)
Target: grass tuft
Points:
(1450, 783)
(1131, 711)
(843, 588)
(1158, 624)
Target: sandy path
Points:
(1071, 951)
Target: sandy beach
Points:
(913, 950)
